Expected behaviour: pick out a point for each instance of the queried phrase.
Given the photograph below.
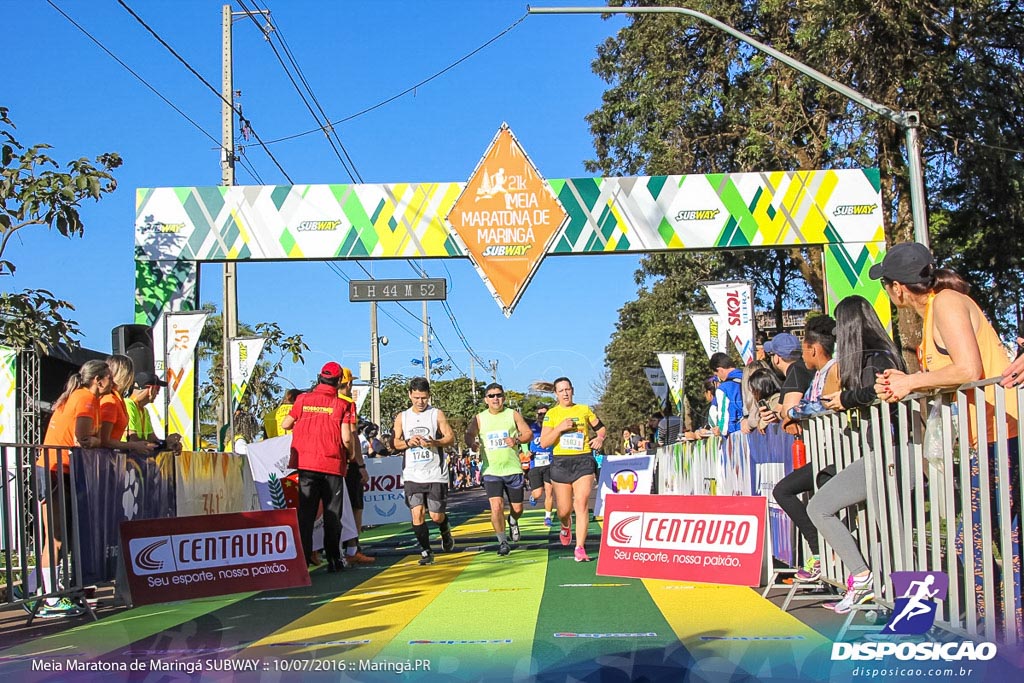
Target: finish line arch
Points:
(177, 229)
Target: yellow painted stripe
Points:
(376, 610)
(736, 624)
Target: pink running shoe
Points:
(581, 554)
(565, 535)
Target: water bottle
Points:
(799, 453)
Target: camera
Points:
(161, 445)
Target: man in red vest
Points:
(321, 440)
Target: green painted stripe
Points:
(597, 610)
(493, 603)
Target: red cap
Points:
(330, 371)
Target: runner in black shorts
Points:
(573, 430)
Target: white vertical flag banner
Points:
(658, 382)
(175, 337)
(674, 367)
(359, 394)
(734, 302)
(8, 395)
(245, 353)
(712, 333)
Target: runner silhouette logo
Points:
(918, 595)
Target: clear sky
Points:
(62, 89)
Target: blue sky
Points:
(64, 90)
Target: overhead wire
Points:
(408, 90)
(248, 167)
(216, 92)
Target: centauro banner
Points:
(734, 302)
(175, 336)
(674, 366)
(245, 353)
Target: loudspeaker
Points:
(136, 342)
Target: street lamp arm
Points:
(908, 120)
(901, 118)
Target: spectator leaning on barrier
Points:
(114, 432)
(786, 354)
(729, 394)
(273, 419)
(75, 422)
(817, 348)
(147, 388)
(958, 345)
(321, 442)
(864, 350)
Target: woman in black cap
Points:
(958, 346)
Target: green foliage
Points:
(35, 192)
(685, 97)
(264, 391)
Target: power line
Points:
(152, 88)
(246, 122)
(251, 13)
(974, 143)
(407, 90)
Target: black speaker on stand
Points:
(136, 342)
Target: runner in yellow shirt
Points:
(574, 431)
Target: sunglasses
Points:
(495, 395)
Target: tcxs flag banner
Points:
(674, 367)
(245, 353)
(658, 382)
(734, 302)
(711, 331)
(175, 337)
(184, 558)
(708, 539)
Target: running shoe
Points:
(18, 594)
(810, 572)
(63, 608)
(565, 535)
(503, 548)
(359, 558)
(426, 557)
(513, 528)
(547, 521)
(581, 554)
(533, 502)
(447, 542)
(858, 592)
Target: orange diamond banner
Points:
(506, 218)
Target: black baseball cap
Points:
(907, 262)
(148, 379)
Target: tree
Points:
(34, 192)
(684, 97)
(264, 392)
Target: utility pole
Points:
(494, 371)
(374, 366)
(426, 342)
(229, 316)
(472, 375)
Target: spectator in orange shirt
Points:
(114, 414)
(75, 423)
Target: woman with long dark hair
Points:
(863, 350)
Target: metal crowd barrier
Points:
(944, 495)
(32, 524)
